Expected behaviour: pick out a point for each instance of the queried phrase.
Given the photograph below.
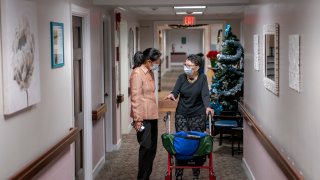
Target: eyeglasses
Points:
(189, 65)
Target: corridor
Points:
(65, 91)
(122, 164)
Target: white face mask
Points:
(155, 67)
(187, 70)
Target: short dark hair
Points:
(195, 59)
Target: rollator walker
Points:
(188, 148)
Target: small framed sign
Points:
(57, 44)
(183, 40)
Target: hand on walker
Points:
(171, 97)
(209, 110)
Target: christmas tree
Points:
(227, 87)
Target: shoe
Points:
(178, 177)
(196, 173)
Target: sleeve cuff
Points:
(138, 120)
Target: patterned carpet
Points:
(122, 164)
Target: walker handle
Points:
(210, 121)
(166, 119)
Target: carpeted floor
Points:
(122, 164)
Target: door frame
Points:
(87, 102)
(108, 124)
(124, 78)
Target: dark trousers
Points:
(148, 147)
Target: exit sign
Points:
(188, 20)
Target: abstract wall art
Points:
(21, 80)
(256, 52)
(57, 45)
(294, 62)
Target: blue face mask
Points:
(187, 70)
(155, 67)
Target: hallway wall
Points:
(97, 88)
(289, 119)
(146, 35)
(193, 44)
(30, 132)
(128, 21)
(149, 33)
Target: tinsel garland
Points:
(217, 107)
(230, 92)
(183, 26)
(225, 69)
(227, 31)
(224, 58)
(227, 85)
(218, 79)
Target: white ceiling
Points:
(150, 10)
(163, 9)
(169, 2)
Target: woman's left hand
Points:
(209, 110)
(171, 97)
(137, 125)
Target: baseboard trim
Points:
(118, 145)
(98, 167)
(247, 170)
(114, 147)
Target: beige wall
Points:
(193, 40)
(146, 35)
(97, 84)
(127, 21)
(290, 118)
(27, 134)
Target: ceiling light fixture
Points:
(181, 13)
(184, 13)
(123, 9)
(189, 7)
(197, 13)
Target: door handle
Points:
(106, 94)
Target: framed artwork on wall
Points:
(270, 56)
(294, 62)
(20, 55)
(183, 40)
(57, 44)
(256, 52)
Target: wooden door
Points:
(78, 93)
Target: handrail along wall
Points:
(33, 168)
(99, 112)
(287, 168)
